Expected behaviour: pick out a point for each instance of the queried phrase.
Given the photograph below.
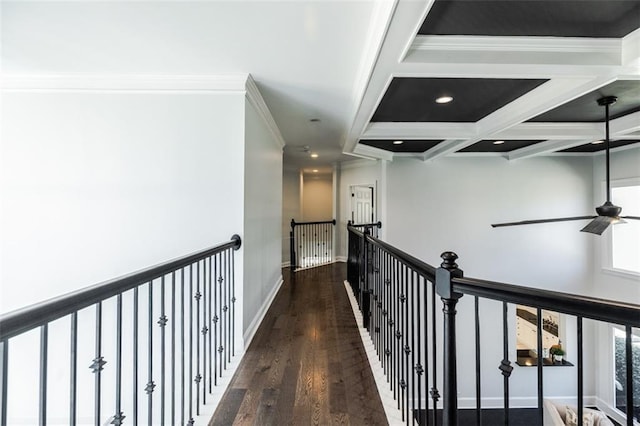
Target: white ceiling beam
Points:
(548, 131)
(367, 151)
(447, 147)
(627, 124)
(415, 131)
(515, 50)
(545, 147)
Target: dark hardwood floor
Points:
(306, 364)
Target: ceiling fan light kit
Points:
(608, 213)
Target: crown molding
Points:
(123, 82)
(255, 98)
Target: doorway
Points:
(363, 208)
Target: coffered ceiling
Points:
(524, 76)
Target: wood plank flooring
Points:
(306, 364)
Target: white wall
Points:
(263, 218)
(96, 184)
(450, 203)
(290, 208)
(358, 172)
(317, 197)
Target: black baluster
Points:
(73, 371)
(182, 347)
(411, 323)
(98, 363)
(227, 257)
(190, 422)
(426, 354)
(162, 322)
(135, 355)
(233, 302)
(435, 395)
(580, 381)
(417, 347)
(629, 366)
(198, 377)
(4, 372)
(44, 337)
(365, 287)
(505, 365)
(150, 383)
(210, 319)
(215, 317)
(539, 326)
(449, 270)
(405, 341)
(173, 347)
(476, 308)
(119, 416)
(205, 329)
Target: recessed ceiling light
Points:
(444, 99)
(315, 170)
(314, 155)
(498, 142)
(398, 142)
(597, 142)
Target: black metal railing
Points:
(311, 243)
(373, 227)
(397, 295)
(180, 328)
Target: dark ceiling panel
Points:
(413, 99)
(507, 146)
(586, 108)
(586, 18)
(600, 146)
(406, 146)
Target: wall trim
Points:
(129, 82)
(354, 164)
(255, 98)
(286, 264)
(257, 320)
(341, 259)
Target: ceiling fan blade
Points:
(531, 222)
(599, 224)
(630, 217)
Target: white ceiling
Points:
(329, 60)
(306, 57)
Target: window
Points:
(619, 337)
(625, 238)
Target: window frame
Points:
(607, 252)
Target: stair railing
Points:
(180, 328)
(311, 243)
(397, 295)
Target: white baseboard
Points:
(341, 259)
(286, 264)
(394, 416)
(257, 320)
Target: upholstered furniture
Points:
(557, 414)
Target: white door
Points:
(362, 204)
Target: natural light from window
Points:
(625, 238)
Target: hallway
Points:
(306, 364)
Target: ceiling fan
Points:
(608, 213)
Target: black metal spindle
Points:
(395, 297)
(119, 416)
(215, 319)
(476, 309)
(198, 376)
(190, 422)
(182, 348)
(44, 344)
(4, 372)
(150, 383)
(417, 347)
(135, 356)
(73, 371)
(539, 326)
(434, 393)
(205, 329)
(98, 364)
(227, 257)
(505, 365)
(405, 359)
(629, 368)
(210, 319)
(162, 322)
(426, 353)
(173, 348)
(580, 381)
(414, 367)
(233, 302)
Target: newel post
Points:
(364, 288)
(444, 274)
(292, 244)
